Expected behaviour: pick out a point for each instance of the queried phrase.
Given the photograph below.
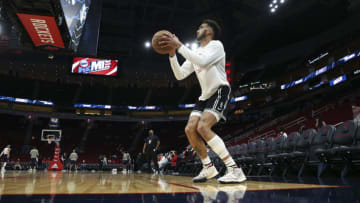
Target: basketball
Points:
(155, 42)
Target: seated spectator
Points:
(17, 165)
(163, 161)
(174, 158)
(82, 165)
(281, 133)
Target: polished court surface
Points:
(22, 186)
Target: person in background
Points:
(64, 160)
(174, 158)
(105, 162)
(73, 158)
(163, 161)
(17, 165)
(139, 162)
(150, 149)
(101, 162)
(282, 133)
(4, 157)
(34, 158)
(83, 165)
(126, 160)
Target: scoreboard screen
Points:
(75, 12)
(94, 66)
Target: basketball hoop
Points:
(49, 136)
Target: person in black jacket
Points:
(150, 149)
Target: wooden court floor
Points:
(59, 183)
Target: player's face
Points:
(202, 31)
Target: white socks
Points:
(206, 162)
(218, 146)
(229, 162)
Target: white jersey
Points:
(5, 151)
(73, 156)
(34, 153)
(126, 156)
(208, 63)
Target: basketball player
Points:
(34, 157)
(4, 156)
(208, 63)
(126, 160)
(150, 149)
(73, 158)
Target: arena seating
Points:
(333, 148)
(311, 150)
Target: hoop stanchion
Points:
(56, 163)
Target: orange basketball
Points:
(155, 42)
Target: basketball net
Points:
(50, 140)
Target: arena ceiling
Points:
(249, 28)
(132, 22)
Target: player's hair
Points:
(215, 26)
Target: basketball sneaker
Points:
(233, 175)
(205, 174)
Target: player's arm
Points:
(183, 71)
(180, 72)
(215, 52)
(144, 148)
(157, 145)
